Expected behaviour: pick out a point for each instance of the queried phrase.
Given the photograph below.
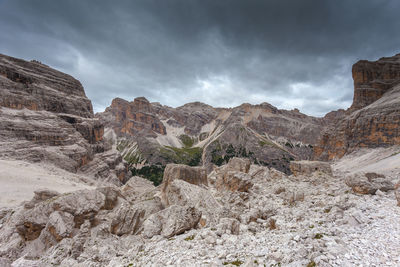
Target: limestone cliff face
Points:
(374, 117)
(46, 116)
(35, 86)
(131, 118)
(373, 79)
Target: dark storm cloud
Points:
(289, 53)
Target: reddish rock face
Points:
(130, 118)
(373, 79)
(374, 118)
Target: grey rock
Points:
(171, 221)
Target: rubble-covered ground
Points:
(244, 217)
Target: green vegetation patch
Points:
(221, 154)
(188, 156)
(152, 173)
(318, 236)
(189, 238)
(236, 262)
(187, 141)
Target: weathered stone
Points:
(234, 181)
(82, 205)
(130, 118)
(228, 226)
(171, 221)
(363, 185)
(182, 193)
(136, 187)
(60, 225)
(41, 195)
(305, 167)
(193, 175)
(397, 193)
(238, 164)
(129, 218)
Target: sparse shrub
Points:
(152, 173)
(187, 141)
(318, 236)
(189, 238)
(327, 210)
(236, 262)
(272, 224)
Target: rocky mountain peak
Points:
(36, 86)
(373, 78)
(46, 116)
(373, 119)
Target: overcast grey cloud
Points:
(290, 53)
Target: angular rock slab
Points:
(305, 167)
(171, 221)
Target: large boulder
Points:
(81, 205)
(136, 187)
(41, 195)
(193, 175)
(362, 184)
(397, 193)
(305, 167)
(239, 164)
(234, 176)
(171, 221)
(182, 193)
(234, 181)
(129, 218)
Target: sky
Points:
(289, 53)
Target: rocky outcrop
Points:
(171, 221)
(374, 78)
(234, 176)
(36, 86)
(46, 116)
(182, 193)
(374, 118)
(129, 218)
(308, 167)
(193, 175)
(368, 183)
(132, 118)
(397, 193)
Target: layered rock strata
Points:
(46, 116)
(374, 118)
(198, 134)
